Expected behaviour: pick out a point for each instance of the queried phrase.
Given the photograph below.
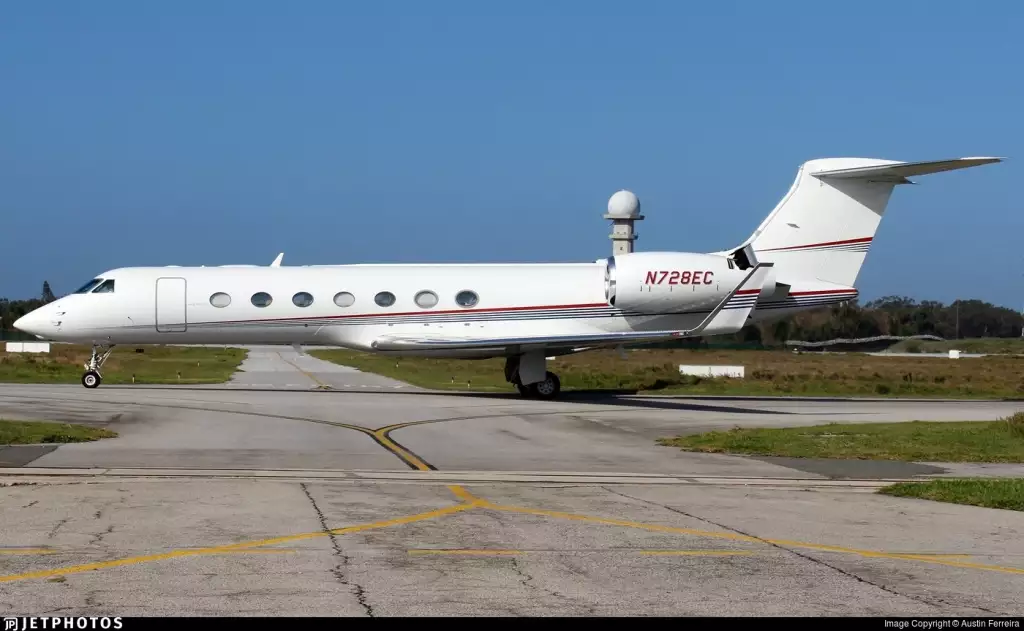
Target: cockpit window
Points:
(86, 288)
(106, 288)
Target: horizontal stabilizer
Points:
(899, 171)
(728, 317)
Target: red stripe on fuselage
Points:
(422, 313)
(492, 310)
(819, 245)
(822, 291)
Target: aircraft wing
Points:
(728, 317)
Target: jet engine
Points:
(654, 283)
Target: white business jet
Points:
(806, 254)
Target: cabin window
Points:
(344, 299)
(426, 299)
(86, 288)
(466, 298)
(107, 287)
(384, 299)
(302, 299)
(220, 299)
(261, 299)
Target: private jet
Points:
(806, 254)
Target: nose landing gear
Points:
(92, 377)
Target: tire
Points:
(91, 379)
(547, 389)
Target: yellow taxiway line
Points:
(174, 554)
(470, 501)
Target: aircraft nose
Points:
(33, 322)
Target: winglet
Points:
(277, 261)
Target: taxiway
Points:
(304, 488)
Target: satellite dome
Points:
(624, 204)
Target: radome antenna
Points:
(623, 211)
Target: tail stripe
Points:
(823, 291)
(847, 245)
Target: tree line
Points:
(11, 310)
(890, 315)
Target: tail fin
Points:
(823, 227)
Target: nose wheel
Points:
(92, 377)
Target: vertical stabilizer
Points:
(823, 227)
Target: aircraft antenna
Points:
(623, 211)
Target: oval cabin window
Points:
(302, 299)
(384, 299)
(220, 300)
(466, 298)
(261, 299)
(344, 299)
(426, 299)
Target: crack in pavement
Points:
(53, 532)
(50, 612)
(98, 537)
(339, 570)
(90, 599)
(937, 603)
(527, 580)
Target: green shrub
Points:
(1015, 424)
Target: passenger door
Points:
(170, 305)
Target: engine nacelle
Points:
(671, 282)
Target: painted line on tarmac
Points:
(512, 552)
(320, 384)
(449, 477)
(705, 553)
(380, 435)
(234, 547)
(463, 552)
(781, 543)
(471, 502)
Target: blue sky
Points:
(188, 132)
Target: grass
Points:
(917, 441)
(65, 363)
(990, 345)
(767, 373)
(1006, 493)
(36, 432)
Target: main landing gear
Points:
(92, 377)
(530, 375)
